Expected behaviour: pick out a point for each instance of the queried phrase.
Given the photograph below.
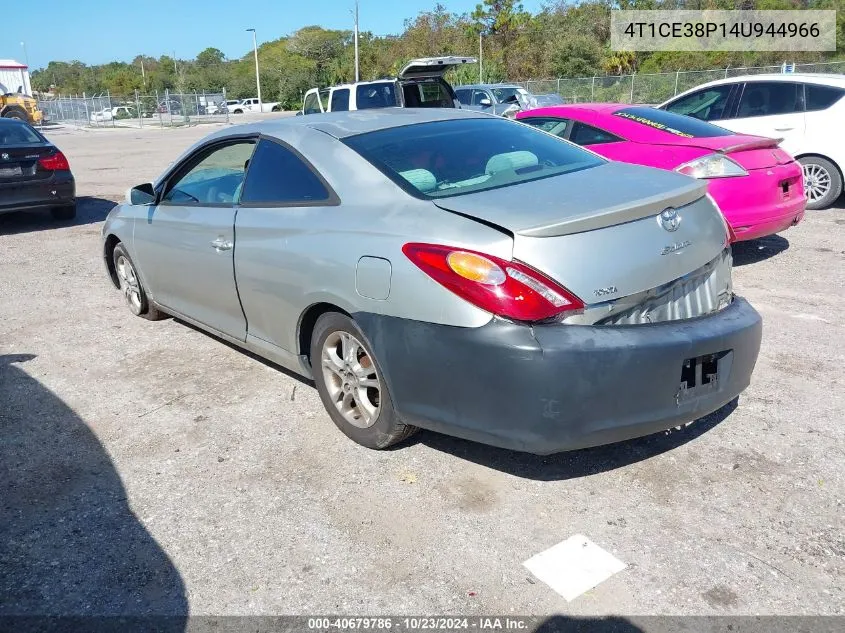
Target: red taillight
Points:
(56, 162)
(506, 288)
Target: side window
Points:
(464, 96)
(557, 127)
(311, 105)
(478, 96)
(765, 98)
(709, 104)
(583, 134)
(340, 100)
(822, 97)
(324, 98)
(278, 175)
(375, 96)
(213, 177)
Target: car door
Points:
(482, 100)
(770, 108)
(185, 243)
(284, 204)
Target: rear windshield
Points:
(677, 124)
(376, 96)
(14, 133)
(449, 158)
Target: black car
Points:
(34, 174)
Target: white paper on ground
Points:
(574, 566)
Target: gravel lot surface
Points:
(150, 468)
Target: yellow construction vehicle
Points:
(15, 105)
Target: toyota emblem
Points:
(4, 156)
(669, 220)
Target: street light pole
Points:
(257, 78)
(357, 73)
(480, 60)
(25, 54)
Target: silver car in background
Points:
(448, 270)
(498, 99)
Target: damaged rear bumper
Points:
(550, 388)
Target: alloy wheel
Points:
(351, 379)
(129, 284)
(817, 182)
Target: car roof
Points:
(825, 79)
(355, 84)
(488, 86)
(344, 124)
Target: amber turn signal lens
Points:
(475, 268)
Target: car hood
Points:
(585, 200)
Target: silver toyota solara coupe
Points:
(447, 270)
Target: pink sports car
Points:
(757, 185)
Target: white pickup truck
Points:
(251, 105)
(420, 84)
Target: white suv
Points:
(419, 85)
(806, 110)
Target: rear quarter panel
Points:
(289, 259)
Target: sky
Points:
(100, 31)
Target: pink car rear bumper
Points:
(764, 202)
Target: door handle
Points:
(222, 245)
(784, 129)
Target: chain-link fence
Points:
(655, 88)
(161, 109)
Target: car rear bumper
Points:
(756, 205)
(33, 195)
(551, 388)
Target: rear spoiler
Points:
(761, 143)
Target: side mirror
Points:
(485, 102)
(141, 195)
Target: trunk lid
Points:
(752, 152)
(599, 231)
(433, 66)
(20, 162)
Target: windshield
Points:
(449, 158)
(14, 133)
(676, 124)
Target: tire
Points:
(15, 113)
(822, 182)
(370, 419)
(238, 112)
(276, 109)
(64, 213)
(131, 287)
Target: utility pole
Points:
(480, 59)
(257, 78)
(357, 72)
(143, 75)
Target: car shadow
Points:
(70, 545)
(89, 210)
(572, 464)
(761, 249)
(569, 624)
(268, 363)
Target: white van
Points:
(419, 85)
